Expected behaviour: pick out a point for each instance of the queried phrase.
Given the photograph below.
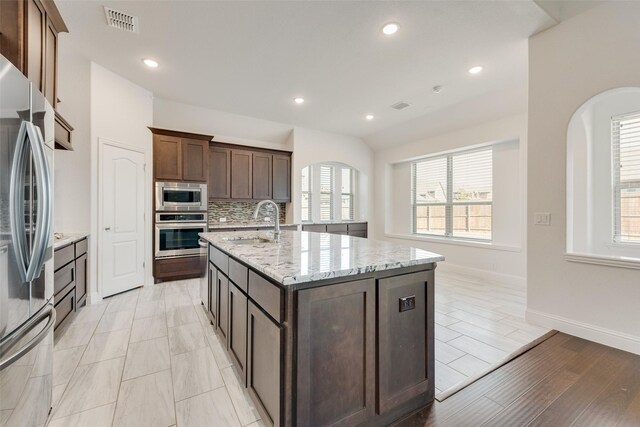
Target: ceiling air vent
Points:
(400, 105)
(121, 21)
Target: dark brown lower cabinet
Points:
(81, 278)
(404, 331)
(336, 354)
(177, 268)
(223, 305)
(213, 294)
(237, 333)
(264, 362)
(64, 307)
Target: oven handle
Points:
(202, 243)
(165, 225)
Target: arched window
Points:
(603, 177)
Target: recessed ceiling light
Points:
(298, 100)
(390, 28)
(475, 70)
(369, 117)
(150, 63)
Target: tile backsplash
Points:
(241, 212)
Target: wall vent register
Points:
(121, 20)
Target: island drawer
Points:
(335, 228)
(63, 277)
(267, 295)
(63, 256)
(219, 259)
(238, 274)
(81, 248)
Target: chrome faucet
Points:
(276, 229)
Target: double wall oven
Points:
(177, 233)
(181, 214)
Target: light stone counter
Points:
(301, 256)
(67, 238)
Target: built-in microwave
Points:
(181, 196)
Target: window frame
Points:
(308, 193)
(617, 185)
(450, 203)
(335, 195)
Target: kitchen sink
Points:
(250, 240)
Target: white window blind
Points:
(625, 138)
(305, 205)
(346, 195)
(453, 195)
(326, 192)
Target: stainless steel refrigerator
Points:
(27, 315)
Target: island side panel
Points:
(405, 339)
(336, 354)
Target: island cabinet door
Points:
(223, 305)
(405, 339)
(213, 294)
(237, 333)
(264, 364)
(336, 354)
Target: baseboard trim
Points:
(487, 275)
(609, 337)
(94, 298)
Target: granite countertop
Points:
(248, 224)
(63, 239)
(302, 256)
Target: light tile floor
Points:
(147, 357)
(477, 325)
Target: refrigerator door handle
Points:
(44, 205)
(17, 200)
(49, 312)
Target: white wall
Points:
(505, 256)
(312, 146)
(568, 64)
(72, 169)
(120, 112)
(225, 127)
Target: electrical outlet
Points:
(267, 219)
(542, 218)
(223, 219)
(407, 303)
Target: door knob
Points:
(107, 228)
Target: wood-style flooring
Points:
(565, 381)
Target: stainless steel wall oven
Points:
(177, 233)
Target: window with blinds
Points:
(305, 204)
(346, 195)
(326, 192)
(625, 139)
(453, 195)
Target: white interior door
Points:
(122, 228)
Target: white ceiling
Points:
(253, 57)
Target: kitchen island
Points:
(324, 329)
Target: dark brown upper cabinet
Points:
(195, 160)
(180, 156)
(248, 173)
(29, 39)
(262, 165)
(241, 174)
(282, 178)
(219, 183)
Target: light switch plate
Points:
(542, 218)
